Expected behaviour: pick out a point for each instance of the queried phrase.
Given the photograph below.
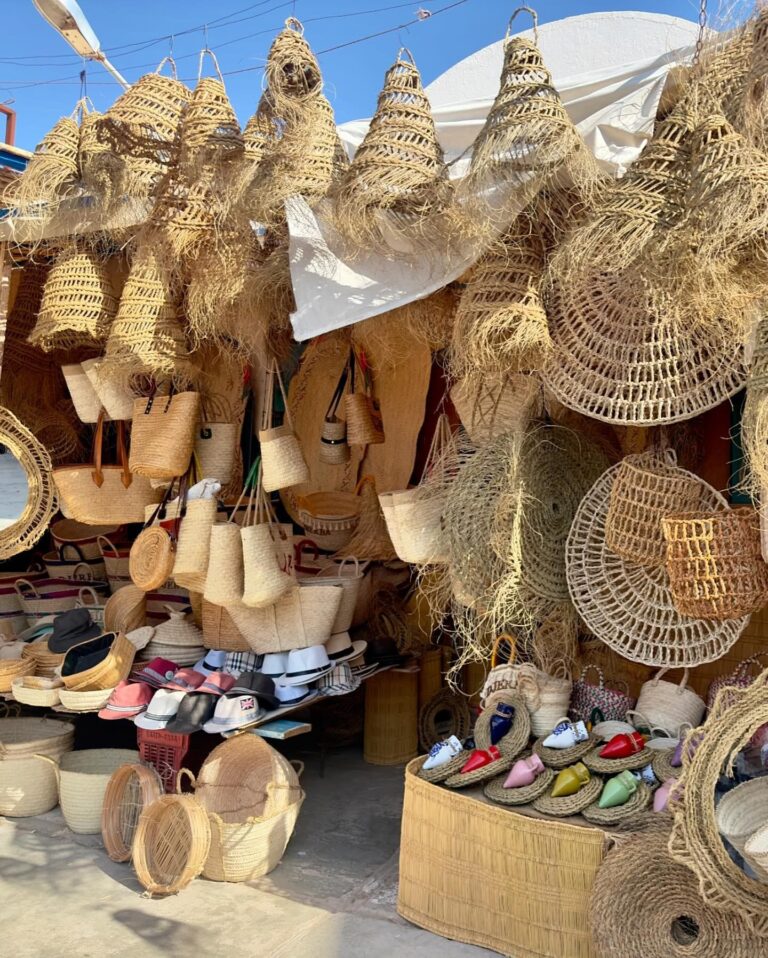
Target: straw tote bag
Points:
(193, 547)
(46, 597)
(84, 398)
(334, 449)
(282, 462)
(741, 677)
(153, 553)
(302, 617)
(163, 434)
(364, 424)
(104, 494)
(216, 450)
(264, 582)
(668, 706)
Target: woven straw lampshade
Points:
(399, 165)
(51, 173)
(631, 607)
(78, 303)
(527, 129)
(646, 905)
(292, 73)
(209, 124)
(500, 324)
(95, 159)
(146, 336)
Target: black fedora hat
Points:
(194, 711)
(383, 651)
(260, 686)
(70, 629)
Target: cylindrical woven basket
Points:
(644, 491)
(547, 697)
(391, 718)
(129, 790)
(87, 404)
(220, 632)
(83, 778)
(171, 844)
(669, 706)
(224, 580)
(193, 547)
(362, 429)
(715, 564)
(28, 785)
(645, 905)
(46, 597)
(78, 303)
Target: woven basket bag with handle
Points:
(668, 706)
(282, 460)
(163, 434)
(613, 703)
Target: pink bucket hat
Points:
(218, 683)
(185, 680)
(127, 700)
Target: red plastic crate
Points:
(165, 752)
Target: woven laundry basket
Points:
(391, 732)
(462, 859)
(83, 779)
(129, 790)
(28, 785)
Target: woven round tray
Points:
(171, 843)
(519, 796)
(442, 772)
(444, 702)
(562, 757)
(516, 739)
(636, 804)
(130, 789)
(502, 764)
(662, 768)
(630, 607)
(570, 804)
(612, 766)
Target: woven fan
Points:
(500, 324)
(147, 337)
(621, 353)
(630, 607)
(78, 302)
(51, 174)
(399, 165)
(527, 131)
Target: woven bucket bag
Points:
(264, 581)
(216, 450)
(163, 434)
(668, 706)
(334, 449)
(111, 393)
(613, 703)
(282, 460)
(364, 426)
(348, 575)
(302, 617)
(102, 494)
(715, 564)
(193, 548)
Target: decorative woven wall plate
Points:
(695, 841)
(629, 606)
(619, 357)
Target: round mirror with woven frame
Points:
(24, 531)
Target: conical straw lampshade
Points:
(209, 124)
(399, 165)
(52, 172)
(292, 73)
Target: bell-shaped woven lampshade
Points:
(78, 302)
(52, 172)
(399, 165)
(501, 325)
(97, 163)
(147, 337)
(292, 73)
(209, 124)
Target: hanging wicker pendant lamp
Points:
(292, 74)
(51, 174)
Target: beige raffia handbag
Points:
(100, 494)
(364, 423)
(190, 569)
(216, 450)
(668, 706)
(282, 462)
(264, 581)
(163, 434)
(224, 583)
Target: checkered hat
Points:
(339, 681)
(239, 662)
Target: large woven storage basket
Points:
(28, 785)
(83, 779)
(47, 597)
(715, 564)
(85, 536)
(391, 731)
(303, 617)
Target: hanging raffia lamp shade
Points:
(398, 168)
(527, 131)
(147, 337)
(370, 540)
(209, 127)
(292, 73)
(78, 302)
(500, 324)
(51, 174)
(97, 163)
(259, 132)
(141, 128)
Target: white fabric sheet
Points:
(610, 70)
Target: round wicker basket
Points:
(129, 790)
(171, 843)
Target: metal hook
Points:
(83, 84)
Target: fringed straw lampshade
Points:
(52, 173)
(292, 73)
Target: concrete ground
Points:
(333, 896)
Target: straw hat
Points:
(125, 610)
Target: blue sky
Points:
(39, 71)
